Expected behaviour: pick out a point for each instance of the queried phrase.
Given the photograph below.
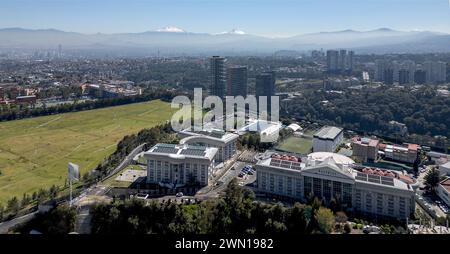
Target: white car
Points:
(179, 194)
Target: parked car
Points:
(179, 194)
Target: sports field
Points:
(299, 145)
(34, 152)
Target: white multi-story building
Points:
(327, 139)
(443, 191)
(171, 165)
(224, 141)
(372, 192)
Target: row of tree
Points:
(13, 112)
(423, 110)
(14, 204)
(237, 212)
(60, 220)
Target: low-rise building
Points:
(327, 139)
(171, 165)
(365, 149)
(334, 177)
(444, 169)
(398, 128)
(406, 153)
(29, 99)
(267, 130)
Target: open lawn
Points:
(34, 152)
(296, 145)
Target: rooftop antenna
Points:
(74, 176)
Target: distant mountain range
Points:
(176, 40)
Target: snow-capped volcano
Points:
(171, 29)
(234, 31)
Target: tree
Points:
(13, 205)
(416, 166)
(347, 228)
(325, 220)
(296, 221)
(341, 217)
(25, 199)
(2, 212)
(60, 220)
(275, 227)
(432, 178)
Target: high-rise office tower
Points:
(217, 76)
(388, 76)
(420, 77)
(396, 67)
(410, 66)
(59, 51)
(435, 71)
(381, 66)
(237, 81)
(403, 77)
(441, 72)
(265, 86)
(350, 63)
(428, 68)
(332, 60)
(342, 62)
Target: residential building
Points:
(327, 139)
(365, 149)
(217, 76)
(173, 166)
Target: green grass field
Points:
(296, 145)
(34, 152)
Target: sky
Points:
(272, 18)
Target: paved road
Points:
(5, 226)
(127, 160)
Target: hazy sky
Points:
(261, 17)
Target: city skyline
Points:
(273, 18)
